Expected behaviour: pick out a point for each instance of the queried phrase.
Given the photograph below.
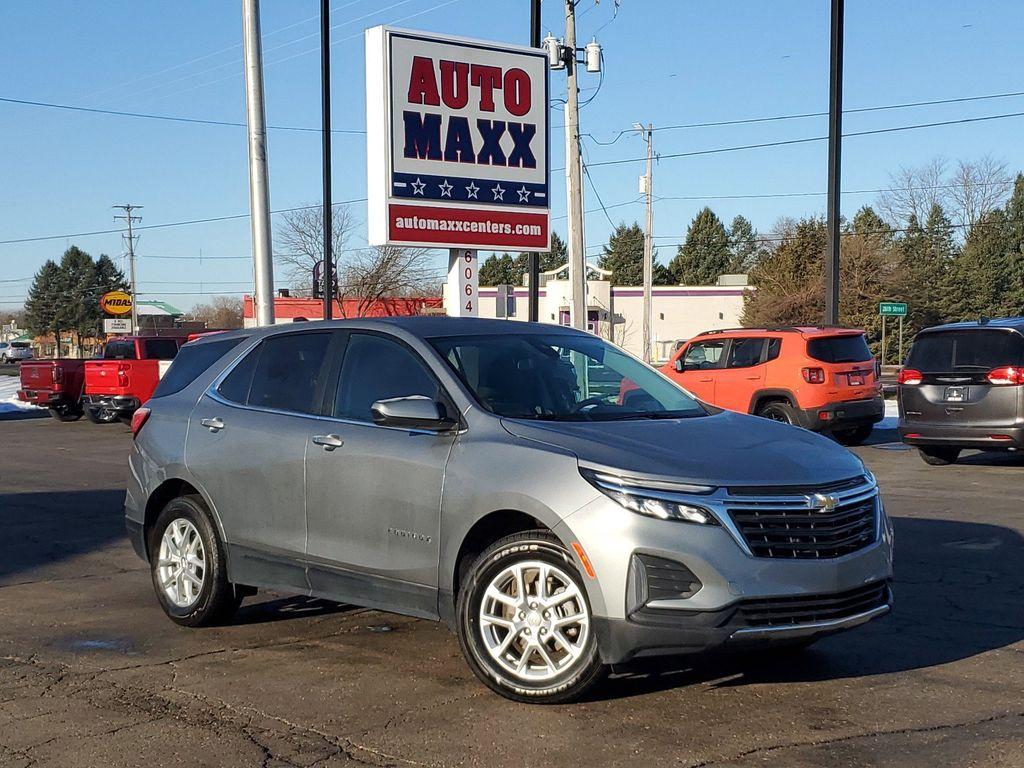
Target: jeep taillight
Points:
(122, 375)
(1007, 375)
(814, 375)
(909, 376)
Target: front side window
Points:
(745, 353)
(377, 368)
(562, 377)
(285, 373)
(704, 355)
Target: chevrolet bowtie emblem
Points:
(822, 502)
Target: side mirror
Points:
(414, 412)
(680, 365)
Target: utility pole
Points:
(129, 238)
(325, 87)
(648, 189)
(259, 184)
(574, 181)
(835, 134)
(533, 300)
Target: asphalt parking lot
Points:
(92, 674)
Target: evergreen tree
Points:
(624, 255)
(45, 299)
(980, 276)
(1015, 248)
(81, 311)
(789, 281)
(743, 246)
(705, 253)
(498, 270)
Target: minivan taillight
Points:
(122, 375)
(139, 418)
(909, 376)
(814, 375)
(1006, 375)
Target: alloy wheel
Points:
(181, 563)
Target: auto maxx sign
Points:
(457, 142)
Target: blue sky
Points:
(667, 62)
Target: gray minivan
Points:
(963, 387)
(561, 505)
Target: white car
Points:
(11, 351)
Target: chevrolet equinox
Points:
(500, 477)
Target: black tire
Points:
(218, 599)
(854, 436)
(578, 676)
(939, 457)
(100, 415)
(66, 412)
(778, 411)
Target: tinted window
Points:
(191, 361)
(376, 368)
(774, 348)
(160, 349)
(745, 352)
(562, 377)
(289, 374)
(704, 355)
(980, 350)
(839, 349)
(119, 349)
(19, 344)
(236, 384)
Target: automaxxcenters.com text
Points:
(452, 225)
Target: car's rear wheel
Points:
(100, 415)
(188, 566)
(854, 436)
(66, 412)
(778, 411)
(939, 457)
(524, 622)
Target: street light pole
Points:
(835, 133)
(533, 299)
(325, 87)
(648, 134)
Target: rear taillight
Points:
(139, 418)
(58, 374)
(122, 375)
(909, 376)
(1007, 375)
(814, 375)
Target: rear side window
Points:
(160, 349)
(376, 368)
(745, 353)
(119, 349)
(236, 384)
(191, 361)
(774, 349)
(839, 349)
(290, 372)
(981, 350)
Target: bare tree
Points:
(387, 271)
(300, 242)
(978, 188)
(913, 191)
(220, 312)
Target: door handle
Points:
(214, 425)
(329, 442)
(753, 378)
(705, 381)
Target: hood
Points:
(723, 449)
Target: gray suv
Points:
(562, 506)
(963, 387)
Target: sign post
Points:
(889, 309)
(462, 292)
(457, 148)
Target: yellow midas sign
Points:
(116, 303)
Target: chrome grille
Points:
(804, 527)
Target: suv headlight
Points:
(664, 501)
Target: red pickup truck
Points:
(54, 384)
(125, 377)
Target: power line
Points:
(1007, 183)
(598, 195)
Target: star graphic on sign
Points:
(499, 192)
(446, 188)
(418, 186)
(524, 194)
(471, 191)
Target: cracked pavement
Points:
(92, 674)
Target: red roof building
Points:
(287, 309)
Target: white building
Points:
(616, 312)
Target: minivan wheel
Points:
(778, 411)
(524, 622)
(939, 457)
(854, 436)
(187, 564)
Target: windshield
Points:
(974, 350)
(559, 377)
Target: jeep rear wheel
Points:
(525, 625)
(778, 411)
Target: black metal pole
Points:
(534, 260)
(835, 141)
(325, 87)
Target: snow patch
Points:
(892, 415)
(9, 402)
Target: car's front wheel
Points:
(188, 566)
(525, 625)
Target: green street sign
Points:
(892, 309)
